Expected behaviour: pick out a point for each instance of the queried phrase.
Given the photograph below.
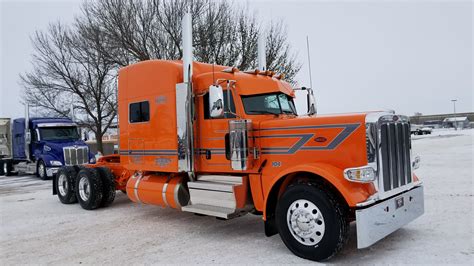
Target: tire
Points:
(89, 188)
(108, 186)
(2, 169)
(65, 184)
(41, 170)
(8, 168)
(324, 234)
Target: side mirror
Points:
(28, 137)
(216, 101)
(311, 102)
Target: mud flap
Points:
(55, 181)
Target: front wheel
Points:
(311, 222)
(41, 170)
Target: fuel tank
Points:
(158, 189)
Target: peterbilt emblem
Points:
(320, 139)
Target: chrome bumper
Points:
(50, 171)
(385, 217)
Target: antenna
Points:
(309, 62)
(213, 72)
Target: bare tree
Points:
(69, 68)
(224, 33)
(78, 64)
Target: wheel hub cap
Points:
(84, 189)
(41, 170)
(305, 222)
(62, 185)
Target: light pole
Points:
(455, 120)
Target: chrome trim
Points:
(240, 143)
(57, 125)
(377, 119)
(135, 188)
(184, 111)
(81, 154)
(163, 192)
(376, 222)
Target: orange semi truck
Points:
(217, 141)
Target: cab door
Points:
(212, 132)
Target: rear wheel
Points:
(41, 170)
(2, 168)
(311, 222)
(7, 168)
(89, 188)
(108, 186)
(66, 180)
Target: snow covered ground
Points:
(36, 228)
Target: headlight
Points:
(92, 160)
(46, 148)
(55, 163)
(361, 174)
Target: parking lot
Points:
(36, 228)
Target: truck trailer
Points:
(40, 146)
(217, 141)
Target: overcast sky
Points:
(410, 56)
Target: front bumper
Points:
(50, 171)
(385, 217)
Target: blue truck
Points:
(40, 146)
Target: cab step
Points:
(209, 210)
(214, 195)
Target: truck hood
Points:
(57, 146)
(317, 121)
(342, 133)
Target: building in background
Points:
(458, 122)
(465, 120)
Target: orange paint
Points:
(322, 145)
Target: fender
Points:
(47, 158)
(352, 192)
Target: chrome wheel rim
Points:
(62, 185)
(305, 222)
(41, 170)
(84, 188)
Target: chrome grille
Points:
(76, 155)
(394, 158)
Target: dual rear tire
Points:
(91, 187)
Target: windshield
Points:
(274, 103)
(59, 133)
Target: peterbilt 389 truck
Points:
(217, 141)
(40, 146)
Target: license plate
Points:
(399, 203)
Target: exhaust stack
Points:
(27, 131)
(262, 60)
(187, 47)
(185, 103)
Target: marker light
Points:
(416, 162)
(361, 174)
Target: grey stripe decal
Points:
(148, 152)
(310, 127)
(304, 138)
